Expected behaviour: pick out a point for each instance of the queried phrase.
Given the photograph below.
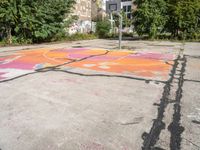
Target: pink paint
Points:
(152, 56)
(118, 61)
(1, 78)
(2, 73)
(77, 56)
(17, 65)
(102, 58)
(2, 59)
(70, 50)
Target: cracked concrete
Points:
(57, 110)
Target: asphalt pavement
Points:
(89, 95)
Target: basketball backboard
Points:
(113, 6)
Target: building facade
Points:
(89, 10)
(127, 7)
(83, 11)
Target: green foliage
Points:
(126, 21)
(2, 43)
(20, 40)
(149, 18)
(74, 37)
(80, 36)
(38, 20)
(181, 18)
(184, 18)
(103, 28)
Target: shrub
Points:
(103, 28)
(80, 36)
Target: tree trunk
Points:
(9, 35)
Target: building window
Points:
(128, 11)
(129, 8)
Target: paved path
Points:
(88, 95)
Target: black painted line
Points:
(110, 76)
(7, 80)
(191, 56)
(151, 138)
(175, 127)
(188, 80)
(196, 122)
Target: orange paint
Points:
(123, 62)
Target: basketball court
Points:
(89, 95)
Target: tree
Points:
(150, 17)
(103, 28)
(8, 17)
(38, 20)
(183, 17)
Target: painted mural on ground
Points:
(124, 62)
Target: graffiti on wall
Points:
(121, 62)
(80, 27)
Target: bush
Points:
(74, 37)
(16, 41)
(21, 40)
(80, 36)
(2, 43)
(103, 28)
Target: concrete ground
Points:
(96, 102)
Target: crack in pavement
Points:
(110, 76)
(188, 80)
(151, 138)
(192, 143)
(175, 127)
(197, 57)
(196, 122)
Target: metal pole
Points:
(120, 31)
(111, 18)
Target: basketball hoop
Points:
(114, 7)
